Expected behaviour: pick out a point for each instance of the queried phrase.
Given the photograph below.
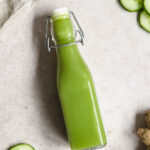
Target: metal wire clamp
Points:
(48, 37)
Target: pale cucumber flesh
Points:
(147, 6)
(145, 21)
(132, 5)
(22, 147)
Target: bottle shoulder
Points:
(74, 77)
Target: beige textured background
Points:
(117, 51)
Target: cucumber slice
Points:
(22, 147)
(145, 21)
(147, 6)
(132, 5)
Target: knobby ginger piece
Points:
(144, 135)
(147, 117)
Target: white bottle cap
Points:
(60, 11)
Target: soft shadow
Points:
(140, 123)
(118, 1)
(45, 81)
(138, 17)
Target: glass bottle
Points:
(75, 87)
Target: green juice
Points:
(76, 89)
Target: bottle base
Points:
(96, 147)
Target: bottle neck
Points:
(63, 33)
(68, 55)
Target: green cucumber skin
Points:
(145, 7)
(141, 24)
(129, 10)
(21, 144)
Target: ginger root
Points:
(144, 133)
